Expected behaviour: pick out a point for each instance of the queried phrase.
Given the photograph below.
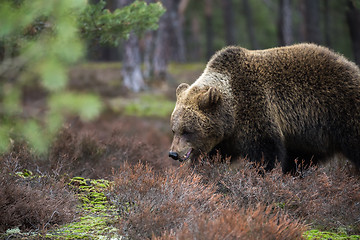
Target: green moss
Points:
(98, 215)
(91, 193)
(77, 179)
(281, 205)
(25, 173)
(319, 235)
(88, 227)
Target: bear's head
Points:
(196, 121)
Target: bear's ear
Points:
(209, 98)
(181, 88)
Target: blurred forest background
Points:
(43, 42)
(193, 30)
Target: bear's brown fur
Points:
(297, 102)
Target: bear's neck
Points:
(221, 82)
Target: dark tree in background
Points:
(285, 23)
(327, 23)
(131, 70)
(162, 49)
(194, 39)
(247, 11)
(228, 14)
(353, 19)
(148, 46)
(169, 39)
(209, 33)
(177, 36)
(311, 11)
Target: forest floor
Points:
(111, 179)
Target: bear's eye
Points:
(187, 132)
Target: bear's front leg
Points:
(266, 150)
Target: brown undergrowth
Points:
(41, 200)
(92, 150)
(325, 198)
(32, 201)
(157, 199)
(215, 201)
(154, 202)
(240, 224)
(176, 204)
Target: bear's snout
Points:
(174, 155)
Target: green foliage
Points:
(39, 41)
(318, 235)
(100, 24)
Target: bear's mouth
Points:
(186, 156)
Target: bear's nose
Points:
(174, 155)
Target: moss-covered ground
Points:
(98, 216)
(325, 235)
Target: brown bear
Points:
(296, 102)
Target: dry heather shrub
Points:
(89, 156)
(91, 150)
(328, 199)
(331, 199)
(153, 202)
(255, 223)
(35, 203)
(150, 132)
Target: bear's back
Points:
(307, 62)
(309, 91)
(301, 69)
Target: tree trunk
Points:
(353, 19)
(209, 29)
(312, 21)
(285, 23)
(327, 23)
(169, 42)
(162, 48)
(193, 40)
(177, 38)
(131, 70)
(250, 24)
(228, 14)
(148, 54)
(178, 23)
